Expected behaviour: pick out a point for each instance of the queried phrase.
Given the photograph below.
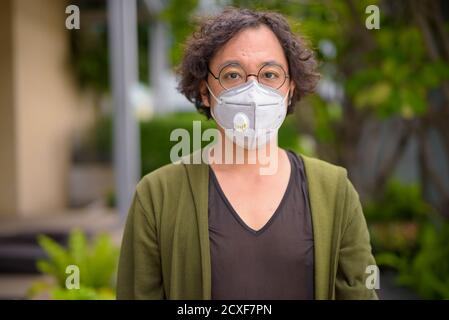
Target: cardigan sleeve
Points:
(356, 269)
(139, 273)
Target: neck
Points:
(228, 156)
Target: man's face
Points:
(251, 49)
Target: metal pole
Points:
(157, 56)
(122, 22)
(158, 65)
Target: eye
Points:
(232, 76)
(270, 75)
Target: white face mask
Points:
(250, 114)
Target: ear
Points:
(204, 94)
(291, 91)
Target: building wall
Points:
(8, 169)
(39, 105)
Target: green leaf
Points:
(373, 96)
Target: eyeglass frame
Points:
(249, 74)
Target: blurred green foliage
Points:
(394, 236)
(89, 57)
(399, 202)
(178, 15)
(97, 264)
(395, 218)
(96, 144)
(427, 269)
(408, 236)
(155, 144)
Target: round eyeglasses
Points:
(232, 75)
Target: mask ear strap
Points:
(289, 97)
(213, 95)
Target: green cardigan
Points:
(165, 247)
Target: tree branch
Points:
(433, 176)
(388, 166)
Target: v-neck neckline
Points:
(273, 216)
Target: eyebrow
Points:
(228, 62)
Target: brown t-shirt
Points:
(275, 262)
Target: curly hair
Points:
(214, 32)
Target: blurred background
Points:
(85, 110)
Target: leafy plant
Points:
(399, 202)
(394, 236)
(96, 262)
(427, 270)
(394, 220)
(178, 15)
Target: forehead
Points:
(251, 47)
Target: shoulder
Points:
(330, 180)
(163, 179)
(323, 170)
